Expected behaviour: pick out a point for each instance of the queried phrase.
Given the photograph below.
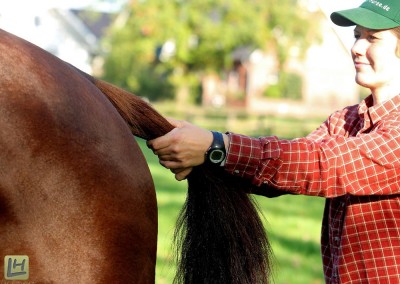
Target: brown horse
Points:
(76, 195)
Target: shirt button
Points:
(236, 172)
(265, 181)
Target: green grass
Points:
(292, 222)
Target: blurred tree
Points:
(175, 42)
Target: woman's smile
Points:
(358, 64)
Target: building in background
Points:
(327, 74)
(71, 30)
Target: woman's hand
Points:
(182, 148)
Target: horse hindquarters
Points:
(76, 194)
(103, 234)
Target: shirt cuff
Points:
(252, 158)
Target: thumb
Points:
(175, 122)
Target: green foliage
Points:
(289, 86)
(152, 85)
(273, 92)
(201, 36)
(292, 26)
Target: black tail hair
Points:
(220, 237)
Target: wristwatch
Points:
(216, 154)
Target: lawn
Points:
(293, 225)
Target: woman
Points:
(352, 159)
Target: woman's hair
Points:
(396, 32)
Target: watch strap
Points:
(218, 141)
(218, 144)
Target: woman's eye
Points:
(372, 37)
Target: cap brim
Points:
(362, 17)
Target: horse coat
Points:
(69, 169)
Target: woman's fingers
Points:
(172, 164)
(162, 142)
(182, 147)
(181, 174)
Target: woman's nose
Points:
(359, 47)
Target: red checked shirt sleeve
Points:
(355, 151)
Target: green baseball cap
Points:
(372, 14)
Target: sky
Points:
(45, 4)
(329, 5)
(340, 4)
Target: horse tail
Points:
(220, 237)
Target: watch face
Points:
(217, 156)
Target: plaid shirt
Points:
(353, 160)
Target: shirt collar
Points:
(366, 109)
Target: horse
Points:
(76, 193)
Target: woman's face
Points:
(374, 56)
